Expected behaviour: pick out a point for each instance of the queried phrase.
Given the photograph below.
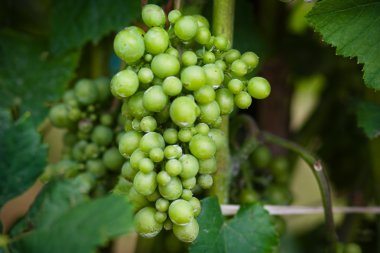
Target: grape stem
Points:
(177, 4)
(223, 22)
(315, 164)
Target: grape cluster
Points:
(177, 85)
(90, 153)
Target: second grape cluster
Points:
(177, 85)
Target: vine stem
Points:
(223, 22)
(315, 165)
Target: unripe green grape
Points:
(202, 128)
(148, 124)
(190, 166)
(185, 135)
(172, 151)
(163, 178)
(205, 181)
(202, 147)
(91, 150)
(160, 217)
(154, 196)
(187, 194)
(148, 57)
(58, 116)
(189, 58)
(129, 45)
(145, 183)
(280, 169)
(106, 119)
(129, 142)
(156, 40)
(145, 223)
(156, 155)
(135, 105)
(221, 43)
(196, 204)
(96, 167)
(172, 86)
(102, 85)
(239, 68)
(277, 195)
(155, 99)
(209, 112)
(243, 100)
(193, 77)
(235, 86)
(172, 190)
(172, 51)
(85, 92)
(170, 135)
(208, 57)
(146, 165)
(136, 125)
(180, 212)
(168, 224)
(102, 135)
(203, 36)
(74, 114)
(153, 15)
(201, 21)
(127, 171)
(251, 59)
(124, 84)
(85, 126)
(112, 159)
(214, 75)
(188, 232)
(163, 116)
(128, 125)
(204, 95)
(258, 87)
(162, 205)
(225, 100)
(186, 28)
(138, 200)
(173, 167)
(232, 55)
(183, 111)
(221, 65)
(136, 157)
(207, 166)
(219, 138)
(249, 196)
(189, 183)
(151, 140)
(69, 97)
(174, 15)
(145, 75)
(164, 65)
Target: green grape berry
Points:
(153, 15)
(146, 224)
(186, 28)
(124, 84)
(181, 212)
(258, 87)
(129, 45)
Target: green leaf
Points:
(250, 230)
(368, 115)
(30, 78)
(89, 20)
(81, 229)
(56, 198)
(353, 28)
(23, 156)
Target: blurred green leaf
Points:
(74, 23)
(368, 115)
(56, 198)
(353, 28)
(249, 231)
(23, 156)
(81, 229)
(30, 77)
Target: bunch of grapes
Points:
(177, 85)
(91, 119)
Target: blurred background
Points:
(314, 101)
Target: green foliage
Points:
(23, 156)
(30, 77)
(249, 231)
(368, 115)
(352, 27)
(88, 21)
(67, 223)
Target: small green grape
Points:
(202, 147)
(251, 59)
(183, 111)
(164, 65)
(173, 167)
(151, 140)
(204, 95)
(171, 136)
(243, 100)
(186, 28)
(148, 124)
(129, 45)
(146, 224)
(112, 159)
(145, 183)
(207, 166)
(189, 58)
(124, 84)
(153, 15)
(172, 86)
(172, 190)
(181, 212)
(145, 75)
(193, 77)
(186, 233)
(155, 99)
(102, 135)
(156, 155)
(162, 205)
(156, 40)
(174, 15)
(146, 165)
(129, 142)
(258, 87)
(190, 166)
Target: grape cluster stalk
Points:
(178, 81)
